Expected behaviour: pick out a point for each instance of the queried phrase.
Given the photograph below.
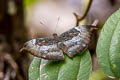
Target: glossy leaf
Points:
(115, 51)
(108, 51)
(77, 68)
(49, 69)
(34, 69)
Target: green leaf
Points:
(34, 69)
(28, 3)
(98, 75)
(108, 47)
(77, 68)
(115, 51)
(71, 69)
(49, 69)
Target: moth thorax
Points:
(61, 45)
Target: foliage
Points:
(34, 69)
(30, 2)
(77, 68)
(108, 47)
(98, 75)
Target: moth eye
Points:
(61, 45)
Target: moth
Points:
(70, 42)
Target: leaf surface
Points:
(107, 48)
(34, 69)
(76, 68)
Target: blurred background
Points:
(22, 20)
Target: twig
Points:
(8, 58)
(79, 18)
(1, 67)
(7, 75)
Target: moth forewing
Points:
(44, 48)
(71, 42)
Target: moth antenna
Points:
(44, 27)
(56, 24)
(42, 24)
(55, 34)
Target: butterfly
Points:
(70, 42)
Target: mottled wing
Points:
(74, 40)
(44, 48)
